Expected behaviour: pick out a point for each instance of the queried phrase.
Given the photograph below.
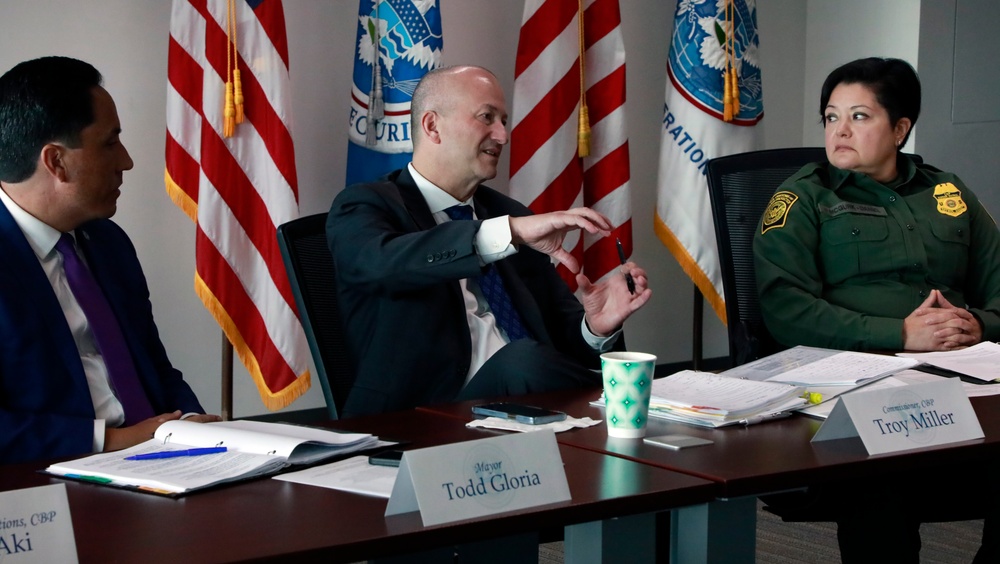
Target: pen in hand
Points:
(176, 453)
(628, 275)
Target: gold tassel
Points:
(731, 94)
(238, 95)
(232, 111)
(727, 98)
(736, 93)
(229, 113)
(583, 132)
(583, 123)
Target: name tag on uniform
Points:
(852, 208)
(904, 418)
(35, 526)
(479, 478)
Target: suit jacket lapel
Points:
(414, 201)
(35, 288)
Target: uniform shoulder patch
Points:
(949, 200)
(777, 211)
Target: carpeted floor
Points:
(816, 543)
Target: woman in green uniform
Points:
(872, 251)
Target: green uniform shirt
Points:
(841, 259)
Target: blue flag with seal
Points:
(398, 42)
(714, 100)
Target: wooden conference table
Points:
(748, 461)
(271, 520)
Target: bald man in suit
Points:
(417, 254)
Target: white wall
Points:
(842, 31)
(127, 41)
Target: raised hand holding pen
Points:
(628, 276)
(609, 303)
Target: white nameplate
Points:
(35, 526)
(904, 418)
(478, 478)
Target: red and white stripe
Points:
(544, 167)
(238, 190)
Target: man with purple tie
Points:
(82, 368)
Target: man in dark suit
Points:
(61, 165)
(416, 281)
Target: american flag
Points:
(239, 189)
(544, 167)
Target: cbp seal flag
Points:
(712, 103)
(398, 42)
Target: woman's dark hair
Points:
(893, 81)
(41, 101)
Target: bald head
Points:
(459, 128)
(435, 92)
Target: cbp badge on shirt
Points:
(777, 210)
(949, 200)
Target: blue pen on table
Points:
(628, 275)
(176, 453)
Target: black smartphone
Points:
(386, 458)
(527, 414)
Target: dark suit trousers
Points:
(525, 367)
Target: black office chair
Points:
(312, 276)
(740, 186)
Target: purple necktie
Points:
(110, 341)
(493, 289)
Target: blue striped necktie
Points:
(490, 283)
(107, 332)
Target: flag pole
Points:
(227, 378)
(697, 317)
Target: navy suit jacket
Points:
(45, 405)
(402, 305)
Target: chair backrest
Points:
(740, 187)
(313, 279)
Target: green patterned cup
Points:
(628, 382)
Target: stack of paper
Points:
(811, 367)
(713, 400)
(981, 361)
(253, 449)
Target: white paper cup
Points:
(628, 383)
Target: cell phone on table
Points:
(526, 414)
(386, 458)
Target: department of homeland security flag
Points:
(546, 172)
(406, 37)
(693, 130)
(238, 189)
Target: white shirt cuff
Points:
(599, 344)
(98, 435)
(493, 240)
